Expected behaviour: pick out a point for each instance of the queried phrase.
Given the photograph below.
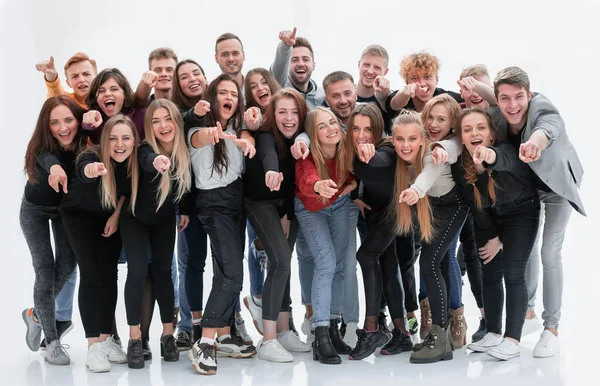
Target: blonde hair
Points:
(421, 62)
(109, 186)
(341, 154)
(401, 213)
(179, 157)
(476, 70)
(450, 104)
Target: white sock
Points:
(196, 321)
(257, 301)
(208, 341)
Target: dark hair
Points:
(270, 123)
(228, 36)
(100, 79)
(42, 140)
(514, 76)
(221, 160)
(336, 76)
(161, 53)
(303, 42)
(183, 101)
(271, 82)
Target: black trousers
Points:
(407, 250)
(470, 255)
(221, 212)
(97, 257)
(136, 237)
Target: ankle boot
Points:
(425, 318)
(135, 356)
(336, 339)
(168, 348)
(435, 347)
(458, 327)
(323, 350)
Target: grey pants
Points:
(52, 269)
(554, 218)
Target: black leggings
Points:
(265, 220)
(97, 257)
(136, 237)
(407, 252)
(472, 261)
(449, 212)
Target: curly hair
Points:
(421, 62)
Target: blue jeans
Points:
(257, 276)
(350, 305)
(306, 267)
(455, 278)
(64, 299)
(326, 234)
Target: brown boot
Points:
(458, 327)
(425, 318)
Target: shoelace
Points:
(60, 347)
(430, 340)
(207, 353)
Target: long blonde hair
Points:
(108, 188)
(179, 157)
(341, 153)
(401, 212)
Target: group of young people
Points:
(274, 162)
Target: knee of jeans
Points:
(551, 256)
(325, 264)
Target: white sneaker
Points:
(97, 361)
(547, 346)
(531, 326)
(240, 330)
(254, 305)
(272, 351)
(228, 347)
(291, 342)
(505, 350)
(487, 342)
(350, 337)
(306, 326)
(113, 351)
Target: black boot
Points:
(146, 350)
(382, 321)
(336, 339)
(135, 357)
(368, 342)
(168, 348)
(323, 350)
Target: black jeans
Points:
(221, 211)
(265, 220)
(52, 269)
(471, 260)
(192, 240)
(408, 247)
(98, 258)
(136, 238)
(517, 231)
(449, 212)
(380, 269)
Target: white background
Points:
(556, 43)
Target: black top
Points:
(515, 140)
(515, 190)
(377, 176)
(267, 158)
(84, 193)
(39, 192)
(387, 122)
(148, 186)
(411, 106)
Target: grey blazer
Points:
(558, 166)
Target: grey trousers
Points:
(554, 218)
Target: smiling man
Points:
(80, 71)
(230, 56)
(162, 61)
(531, 123)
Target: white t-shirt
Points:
(202, 161)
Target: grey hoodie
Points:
(281, 69)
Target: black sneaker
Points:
(383, 325)
(135, 355)
(205, 358)
(146, 350)
(168, 348)
(481, 331)
(413, 325)
(196, 332)
(399, 342)
(291, 326)
(183, 341)
(368, 342)
(62, 329)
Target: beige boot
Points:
(425, 318)
(458, 327)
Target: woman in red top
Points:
(322, 207)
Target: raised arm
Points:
(281, 66)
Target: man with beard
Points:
(230, 56)
(295, 57)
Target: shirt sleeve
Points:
(266, 149)
(281, 66)
(85, 159)
(453, 147)
(146, 156)
(306, 177)
(54, 88)
(302, 137)
(428, 176)
(47, 160)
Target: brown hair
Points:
(42, 140)
(341, 156)
(514, 76)
(467, 160)
(451, 105)
(228, 36)
(374, 114)
(100, 79)
(270, 122)
(401, 213)
(80, 57)
(422, 62)
(336, 76)
(303, 42)
(376, 50)
(178, 97)
(271, 82)
(161, 53)
(475, 71)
